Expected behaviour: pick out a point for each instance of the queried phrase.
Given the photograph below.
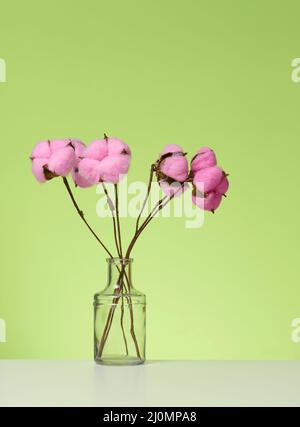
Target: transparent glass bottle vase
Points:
(119, 318)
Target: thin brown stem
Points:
(159, 205)
(112, 209)
(112, 312)
(111, 316)
(146, 197)
(132, 328)
(122, 326)
(118, 219)
(81, 214)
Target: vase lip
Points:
(117, 260)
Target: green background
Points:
(154, 72)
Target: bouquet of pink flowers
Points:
(107, 161)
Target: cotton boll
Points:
(175, 167)
(97, 150)
(38, 170)
(41, 150)
(79, 180)
(208, 178)
(204, 158)
(62, 161)
(113, 167)
(171, 148)
(116, 146)
(209, 203)
(223, 186)
(89, 169)
(58, 144)
(58, 157)
(79, 148)
(172, 165)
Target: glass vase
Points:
(119, 318)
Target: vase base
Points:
(118, 361)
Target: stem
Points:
(81, 214)
(112, 209)
(146, 197)
(122, 326)
(111, 316)
(159, 205)
(118, 218)
(132, 328)
(129, 300)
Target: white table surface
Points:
(156, 383)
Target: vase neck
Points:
(119, 274)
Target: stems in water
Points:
(118, 242)
(159, 205)
(110, 317)
(118, 218)
(112, 209)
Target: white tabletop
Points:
(156, 383)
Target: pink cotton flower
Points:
(79, 148)
(97, 150)
(171, 148)
(57, 144)
(79, 181)
(38, 168)
(41, 150)
(204, 158)
(210, 184)
(105, 160)
(208, 179)
(116, 146)
(113, 167)
(62, 161)
(171, 167)
(210, 202)
(223, 186)
(89, 169)
(173, 163)
(52, 158)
